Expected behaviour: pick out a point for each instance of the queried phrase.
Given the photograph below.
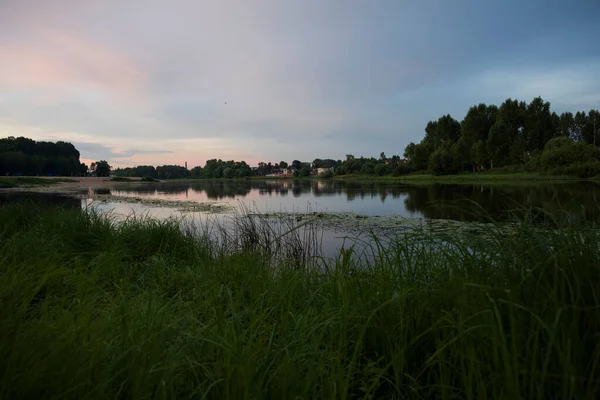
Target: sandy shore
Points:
(85, 187)
(80, 185)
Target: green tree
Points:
(566, 125)
(461, 155)
(517, 151)
(296, 164)
(479, 155)
(83, 169)
(498, 143)
(381, 169)
(539, 126)
(409, 151)
(579, 126)
(368, 168)
(441, 161)
(101, 168)
(591, 129)
(305, 171)
(447, 130)
(477, 123)
(228, 173)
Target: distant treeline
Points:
(516, 135)
(219, 169)
(371, 166)
(23, 156)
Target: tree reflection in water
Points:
(436, 201)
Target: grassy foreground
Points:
(97, 309)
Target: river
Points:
(366, 202)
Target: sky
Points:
(164, 82)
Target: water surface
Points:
(466, 203)
(437, 201)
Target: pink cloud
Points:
(52, 58)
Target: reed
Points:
(94, 307)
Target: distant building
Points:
(321, 171)
(282, 172)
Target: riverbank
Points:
(10, 182)
(139, 309)
(467, 178)
(61, 184)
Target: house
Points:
(282, 172)
(321, 171)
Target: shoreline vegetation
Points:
(58, 184)
(143, 308)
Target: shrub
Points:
(382, 169)
(582, 170)
(402, 169)
(327, 174)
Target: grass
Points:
(10, 182)
(122, 179)
(141, 309)
(125, 179)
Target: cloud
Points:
(100, 151)
(301, 79)
(571, 85)
(60, 60)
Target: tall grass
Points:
(94, 308)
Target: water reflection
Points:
(457, 202)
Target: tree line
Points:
(220, 169)
(517, 135)
(24, 156)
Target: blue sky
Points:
(146, 81)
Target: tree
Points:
(420, 158)
(566, 125)
(382, 157)
(296, 164)
(305, 171)
(83, 169)
(409, 151)
(498, 144)
(579, 126)
(228, 173)
(461, 155)
(367, 168)
(477, 123)
(591, 128)
(447, 130)
(562, 152)
(479, 155)
(101, 168)
(440, 162)
(25, 156)
(381, 169)
(283, 164)
(539, 127)
(327, 174)
(517, 151)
